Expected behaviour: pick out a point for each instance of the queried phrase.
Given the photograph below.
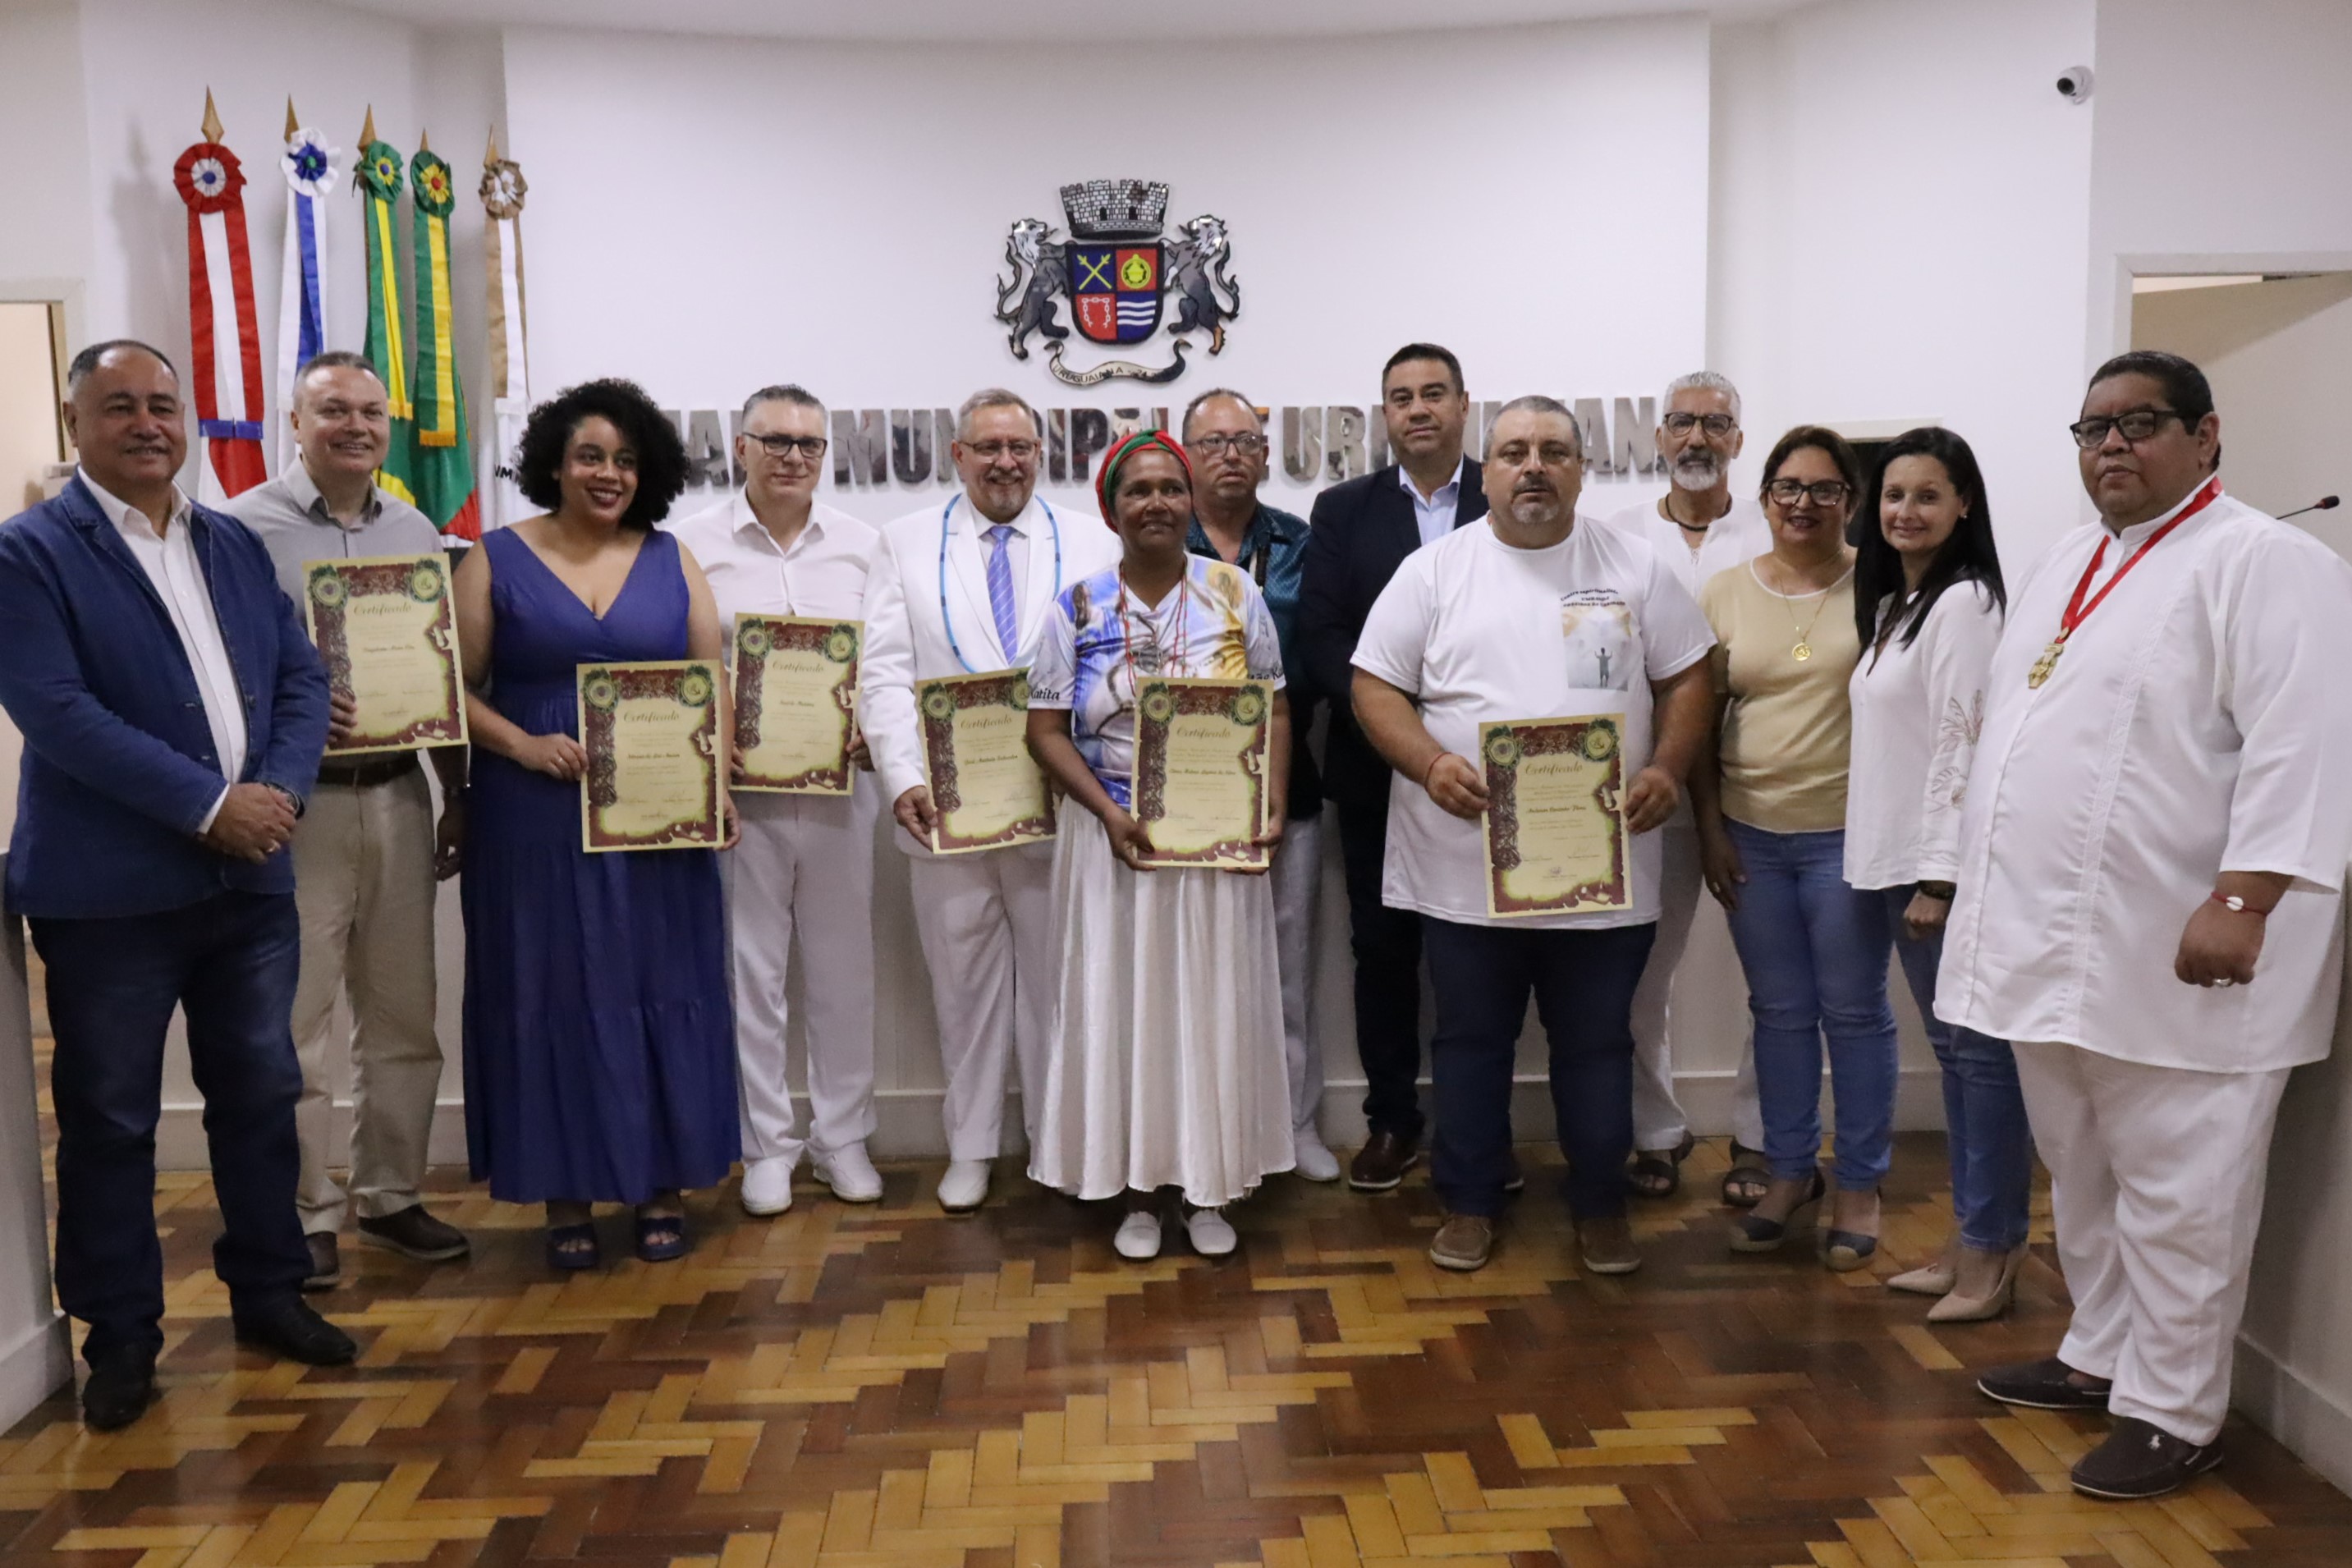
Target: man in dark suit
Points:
(172, 711)
(1361, 532)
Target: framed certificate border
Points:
(691, 683)
(1595, 743)
(329, 589)
(937, 704)
(760, 638)
(1246, 705)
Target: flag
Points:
(503, 188)
(378, 180)
(227, 362)
(441, 468)
(309, 166)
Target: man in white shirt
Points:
(958, 589)
(1464, 634)
(1698, 528)
(2152, 859)
(804, 867)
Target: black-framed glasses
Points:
(2137, 425)
(1680, 422)
(1822, 492)
(1019, 451)
(809, 447)
(1249, 444)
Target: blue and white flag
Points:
(309, 165)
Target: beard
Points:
(1698, 469)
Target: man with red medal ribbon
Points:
(2152, 864)
(220, 313)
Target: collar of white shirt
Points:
(979, 522)
(1451, 488)
(304, 491)
(2140, 531)
(121, 512)
(747, 522)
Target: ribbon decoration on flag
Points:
(503, 188)
(378, 180)
(442, 472)
(309, 166)
(227, 342)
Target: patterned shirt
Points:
(1274, 553)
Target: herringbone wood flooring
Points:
(843, 1387)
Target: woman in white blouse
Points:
(1929, 603)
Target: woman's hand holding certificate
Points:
(651, 730)
(1555, 821)
(387, 631)
(1200, 783)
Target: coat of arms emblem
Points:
(1117, 269)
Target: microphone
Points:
(2324, 503)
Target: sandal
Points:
(573, 1247)
(1753, 1232)
(1658, 1174)
(1844, 1251)
(1744, 1184)
(661, 1237)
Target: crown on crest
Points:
(1115, 209)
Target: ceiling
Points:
(1016, 21)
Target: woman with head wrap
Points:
(1166, 1066)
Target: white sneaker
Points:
(965, 1186)
(1213, 1235)
(850, 1174)
(767, 1185)
(1139, 1235)
(1313, 1161)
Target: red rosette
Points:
(209, 177)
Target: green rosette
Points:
(435, 193)
(380, 170)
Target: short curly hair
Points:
(661, 456)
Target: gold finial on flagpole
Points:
(491, 157)
(292, 124)
(424, 141)
(214, 130)
(367, 131)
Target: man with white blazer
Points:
(961, 588)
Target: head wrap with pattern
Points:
(1116, 459)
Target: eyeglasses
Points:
(1824, 492)
(1247, 444)
(2137, 425)
(1019, 451)
(1679, 423)
(809, 447)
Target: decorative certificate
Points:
(796, 702)
(1555, 818)
(988, 790)
(387, 629)
(1200, 785)
(652, 735)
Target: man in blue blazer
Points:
(1361, 532)
(173, 712)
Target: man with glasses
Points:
(1698, 528)
(1363, 530)
(962, 588)
(1223, 431)
(804, 867)
(2152, 859)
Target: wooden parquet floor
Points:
(889, 1387)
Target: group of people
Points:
(2085, 809)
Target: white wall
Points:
(36, 1355)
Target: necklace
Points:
(947, 618)
(1804, 648)
(2077, 612)
(1159, 663)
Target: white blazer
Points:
(907, 629)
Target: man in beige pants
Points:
(365, 854)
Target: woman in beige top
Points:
(1771, 819)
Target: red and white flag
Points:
(227, 346)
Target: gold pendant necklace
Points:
(1804, 648)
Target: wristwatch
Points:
(1942, 892)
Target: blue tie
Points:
(1000, 590)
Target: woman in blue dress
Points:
(600, 1058)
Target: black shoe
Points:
(2042, 1385)
(288, 1326)
(325, 1262)
(1382, 1162)
(412, 1233)
(119, 1387)
(2140, 1460)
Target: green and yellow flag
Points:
(378, 184)
(441, 467)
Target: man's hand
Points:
(1269, 837)
(449, 838)
(342, 714)
(2218, 946)
(731, 824)
(1718, 861)
(1453, 782)
(916, 815)
(1923, 916)
(1652, 799)
(252, 823)
(1129, 840)
(557, 756)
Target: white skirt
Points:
(1166, 1065)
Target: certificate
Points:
(1199, 781)
(988, 790)
(652, 735)
(388, 632)
(795, 703)
(1555, 816)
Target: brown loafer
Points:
(1606, 1246)
(1380, 1164)
(1463, 1243)
(412, 1233)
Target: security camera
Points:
(2074, 84)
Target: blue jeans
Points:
(1815, 954)
(1984, 1113)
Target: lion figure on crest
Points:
(1025, 302)
(1196, 271)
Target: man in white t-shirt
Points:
(1531, 614)
(1698, 528)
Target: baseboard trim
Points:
(2314, 1423)
(36, 1365)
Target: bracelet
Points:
(1441, 756)
(2237, 906)
(1942, 892)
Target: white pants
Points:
(986, 923)
(804, 869)
(1658, 1119)
(2156, 1178)
(1297, 878)
(364, 890)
